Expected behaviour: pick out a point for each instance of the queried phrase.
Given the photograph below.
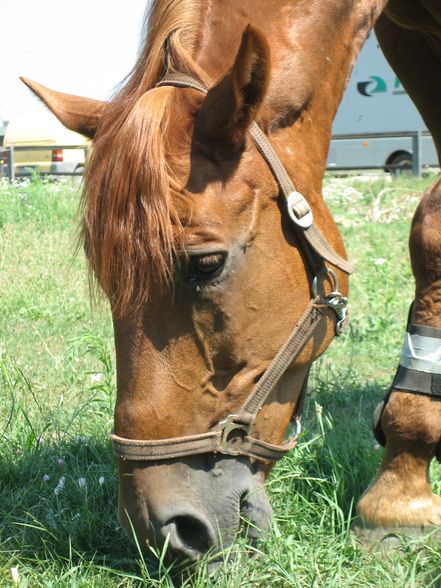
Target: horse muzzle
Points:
(195, 505)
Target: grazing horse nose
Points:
(190, 508)
(190, 536)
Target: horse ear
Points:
(79, 114)
(233, 103)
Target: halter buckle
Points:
(339, 305)
(230, 444)
(334, 300)
(299, 210)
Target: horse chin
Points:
(196, 506)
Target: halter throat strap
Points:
(233, 436)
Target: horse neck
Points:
(313, 47)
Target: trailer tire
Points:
(399, 164)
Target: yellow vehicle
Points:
(30, 135)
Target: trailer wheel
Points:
(399, 164)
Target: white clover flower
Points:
(60, 463)
(60, 486)
(15, 575)
(379, 261)
(82, 483)
(45, 478)
(101, 480)
(95, 378)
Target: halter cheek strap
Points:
(298, 207)
(233, 436)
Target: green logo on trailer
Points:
(375, 85)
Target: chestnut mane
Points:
(130, 222)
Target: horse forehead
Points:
(214, 206)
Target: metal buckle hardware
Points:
(227, 426)
(299, 210)
(334, 300)
(339, 305)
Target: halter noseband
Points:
(233, 436)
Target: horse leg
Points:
(415, 57)
(401, 494)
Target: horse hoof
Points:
(390, 539)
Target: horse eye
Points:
(208, 264)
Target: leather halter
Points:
(233, 436)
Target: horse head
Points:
(187, 234)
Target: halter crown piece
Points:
(233, 436)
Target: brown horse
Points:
(186, 232)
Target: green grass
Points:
(56, 400)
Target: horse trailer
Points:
(377, 126)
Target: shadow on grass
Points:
(337, 456)
(59, 500)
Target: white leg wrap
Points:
(421, 353)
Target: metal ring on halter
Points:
(334, 300)
(230, 444)
(329, 273)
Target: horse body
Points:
(184, 232)
(401, 494)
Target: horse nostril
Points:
(189, 536)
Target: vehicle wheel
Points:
(400, 164)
